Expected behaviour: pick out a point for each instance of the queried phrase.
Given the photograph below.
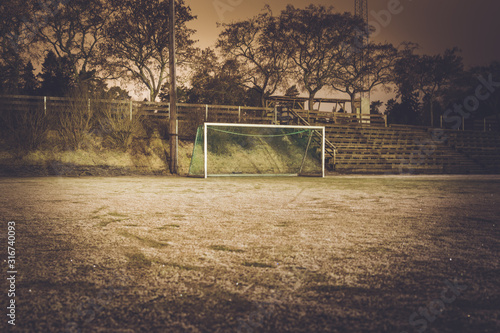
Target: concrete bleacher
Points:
(405, 149)
(481, 147)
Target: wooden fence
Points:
(190, 115)
(133, 108)
(322, 118)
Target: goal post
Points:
(223, 149)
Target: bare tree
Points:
(489, 76)
(427, 75)
(354, 76)
(14, 43)
(138, 41)
(438, 72)
(216, 81)
(73, 30)
(254, 44)
(315, 38)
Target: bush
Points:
(25, 130)
(117, 127)
(194, 119)
(75, 124)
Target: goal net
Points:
(261, 150)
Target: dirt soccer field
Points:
(167, 254)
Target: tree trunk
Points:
(310, 107)
(353, 101)
(432, 110)
(311, 101)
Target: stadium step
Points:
(400, 149)
(412, 149)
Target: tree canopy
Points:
(255, 46)
(365, 68)
(137, 41)
(315, 38)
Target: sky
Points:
(472, 26)
(436, 25)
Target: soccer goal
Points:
(260, 150)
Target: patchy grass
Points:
(100, 209)
(143, 240)
(104, 223)
(169, 226)
(257, 264)
(284, 224)
(183, 267)
(224, 248)
(137, 260)
(324, 257)
(115, 214)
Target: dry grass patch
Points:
(224, 248)
(169, 226)
(292, 255)
(257, 264)
(137, 260)
(147, 242)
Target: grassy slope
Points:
(147, 157)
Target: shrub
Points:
(75, 124)
(117, 127)
(25, 130)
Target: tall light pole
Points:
(361, 11)
(174, 136)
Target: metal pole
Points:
(173, 91)
(323, 153)
(205, 149)
(177, 140)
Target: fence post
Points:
(130, 110)
(441, 121)
(45, 105)
(88, 106)
(206, 112)
(239, 113)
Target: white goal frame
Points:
(321, 129)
